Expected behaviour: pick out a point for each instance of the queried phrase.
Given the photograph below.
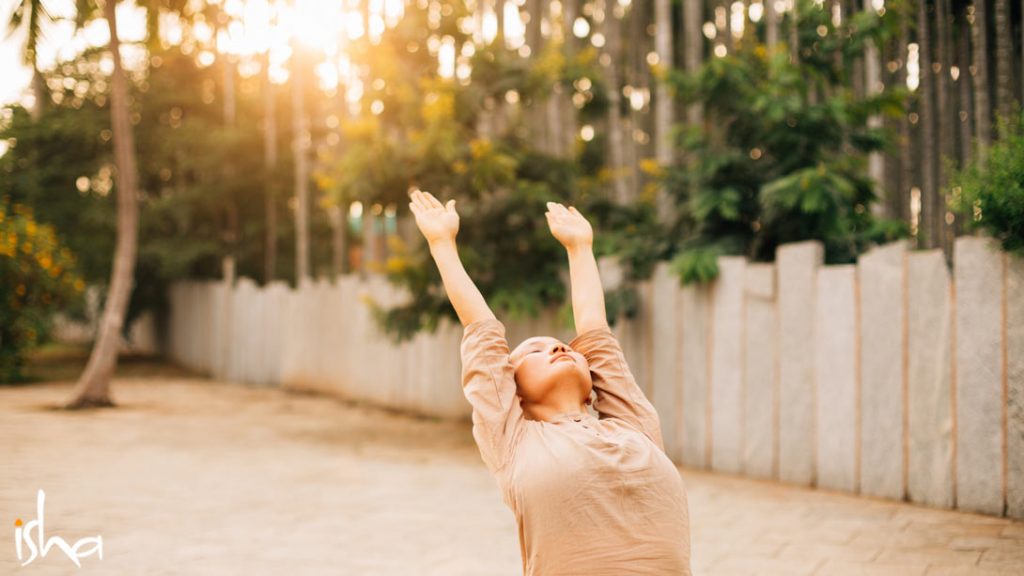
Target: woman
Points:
(592, 496)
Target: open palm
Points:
(568, 226)
(436, 221)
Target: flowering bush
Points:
(37, 277)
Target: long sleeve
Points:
(488, 382)
(618, 395)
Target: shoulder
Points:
(483, 324)
(593, 337)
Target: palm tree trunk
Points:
(771, 24)
(270, 166)
(982, 105)
(663, 112)
(964, 84)
(611, 28)
(944, 116)
(900, 205)
(301, 183)
(872, 84)
(93, 386)
(693, 57)
(927, 232)
(569, 128)
(1004, 59)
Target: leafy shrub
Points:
(38, 277)
(992, 195)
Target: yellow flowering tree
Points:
(37, 275)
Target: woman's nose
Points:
(559, 348)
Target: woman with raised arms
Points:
(591, 496)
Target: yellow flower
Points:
(79, 285)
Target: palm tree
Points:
(93, 386)
(982, 105)
(32, 13)
(611, 28)
(1004, 59)
(270, 165)
(300, 151)
(927, 220)
(663, 101)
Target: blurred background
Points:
(809, 217)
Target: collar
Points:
(572, 417)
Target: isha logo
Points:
(23, 535)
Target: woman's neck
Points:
(547, 410)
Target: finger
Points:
(575, 211)
(450, 206)
(434, 202)
(561, 209)
(417, 199)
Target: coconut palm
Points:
(93, 386)
(32, 14)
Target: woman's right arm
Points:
(439, 225)
(465, 297)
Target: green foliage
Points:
(38, 275)
(991, 196)
(430, 135)
(202, 183)
(783, 157)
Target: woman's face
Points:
(545, 367)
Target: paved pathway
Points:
(196, 477)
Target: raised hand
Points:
(568, 226)
(437, 222)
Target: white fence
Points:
(887, 378)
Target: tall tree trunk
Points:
(927, 219)
(663, 113)
(370, 255)
(553, 105)
(40, 94)
(611, 28)
(794, 34)
(337, 215)
(693, 57)
(270, 176)
(982, 103)
(771, 23)
(900, 200)
(872, 86)
(300, 150)
(964, 84)
(229, 172)
(569, 127)
(93, 386)
(944, 116)
(1004, 59)
(538, 111)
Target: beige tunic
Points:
(592, 496)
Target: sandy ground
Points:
(192, 476)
